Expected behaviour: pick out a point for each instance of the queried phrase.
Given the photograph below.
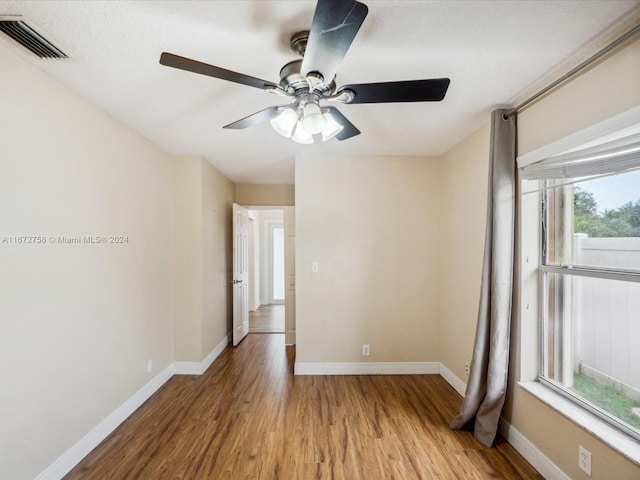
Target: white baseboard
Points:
(85, 445)
(367, 368)
(91, 440)
(217, 350)
(187, 368)
(290, 337)
(530, 452)
(457, 384)
(198, 368)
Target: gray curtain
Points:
(487, 385)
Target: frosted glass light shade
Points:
(313, 120)
(300, 135)
(332, 128)
(285, 122)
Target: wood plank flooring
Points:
(267, 319)
(249, 417)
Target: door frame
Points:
(289, 253)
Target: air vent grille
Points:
(26, 36)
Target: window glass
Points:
(595, 223)
(591, 295)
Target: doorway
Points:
(267, 270)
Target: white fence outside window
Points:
(607, 314)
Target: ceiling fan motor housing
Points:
(293, 82)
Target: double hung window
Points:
(590, 277)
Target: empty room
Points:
(320, 239)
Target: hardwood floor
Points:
(267, 319)
(249, 417)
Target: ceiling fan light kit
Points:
(310, 82)
(303, 120)
(312, 119)
(332, 128)
(285, 122)
(300, 135)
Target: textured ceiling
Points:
(493, 51)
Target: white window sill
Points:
(620, 442)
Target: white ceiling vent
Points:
(18, 30)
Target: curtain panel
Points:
(487, 385)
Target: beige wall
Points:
(202, 258)
(558, 439)
(268, 195)
(464, 192)
(188, 265)
(217, 202)
(373, 224)
(78, 322)
(605, 90)
(608, 88)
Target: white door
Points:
(240, 273)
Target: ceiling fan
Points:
(310, 82)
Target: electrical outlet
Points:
(150, 366)
(365, 350)
(584, 460)
(467, 367)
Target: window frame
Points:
(545, 268)
(528, 326)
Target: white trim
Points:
(610, 126)
(457, 384)
(217, 350)
(85, 445)
(531, 453)
(367, 368)
(187, 368)
(528, 450)
(289, 335)
(91, 440)
(198, 368)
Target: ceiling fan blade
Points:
(183, 63)
(254, 119)
(348, 129)
(335, 25)
(432, 90)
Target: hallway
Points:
(267, 319)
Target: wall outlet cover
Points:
(584, 460)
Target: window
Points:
(590, 278)
(278, 263)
